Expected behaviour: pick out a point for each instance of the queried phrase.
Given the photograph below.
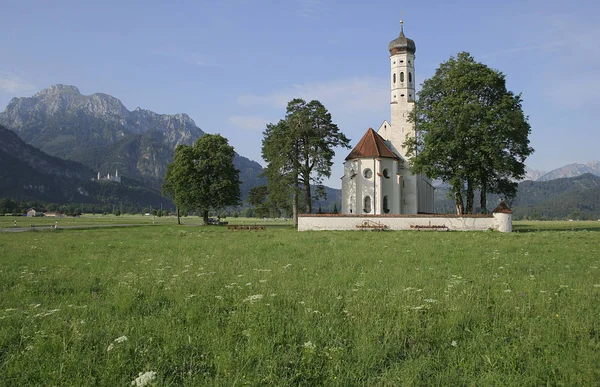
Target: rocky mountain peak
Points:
(58, 89)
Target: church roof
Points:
(402, 44)
(371, 145)
(502, 209)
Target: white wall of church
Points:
(371, 186)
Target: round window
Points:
(386, 173)
(368, 173)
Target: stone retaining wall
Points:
(498, 221)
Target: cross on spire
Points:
(401, 24)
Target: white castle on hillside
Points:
(377, 178)
(116, 178)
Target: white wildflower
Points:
(430, 300)
(309, 345)
(262, 281)
(121, 339)
(507, 291)
(454, 343)
(597, 285)
(144, 378)
(253, 298)
(219, 297)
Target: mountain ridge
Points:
(98, 131)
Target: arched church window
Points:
(394, 77)
(386, 207)
(386, 173)
(367, 173)
(367, 204)
(410, 77)
(402, 77)
(402, 61)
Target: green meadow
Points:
(205, 306)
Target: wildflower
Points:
(507, 291)
(219, 297)
(253, 298)
(454, 343)
(262, 281)
(309, 345)
(144, 378)
(597, 285)
(121, 339)
(430, 300)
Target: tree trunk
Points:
(483, 198)
(307, 199)
(295, 208)
(470, 197)
(178, 217)
(458, 200)
(205, 216)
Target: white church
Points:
(379, 191)
(377, 177)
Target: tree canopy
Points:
(203, 177)
(299, 151)
(470, 132)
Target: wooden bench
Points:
(372, 226)
(430, 227)
(235, 227)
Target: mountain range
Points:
(570, 170)
(27, 173)
(99, 132)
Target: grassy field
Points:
(207, 306)
(104, 220)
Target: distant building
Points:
(54, 214)
(31, 212)
(116, 178)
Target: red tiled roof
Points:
(502, 209)
(371, 145)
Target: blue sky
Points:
(233, 65)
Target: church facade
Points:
(377, 177)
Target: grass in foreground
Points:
(204, 306)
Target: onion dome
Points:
(402, 43)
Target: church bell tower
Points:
(402, 79)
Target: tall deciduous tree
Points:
(299, 151)
(470, 132)
(203, 177)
